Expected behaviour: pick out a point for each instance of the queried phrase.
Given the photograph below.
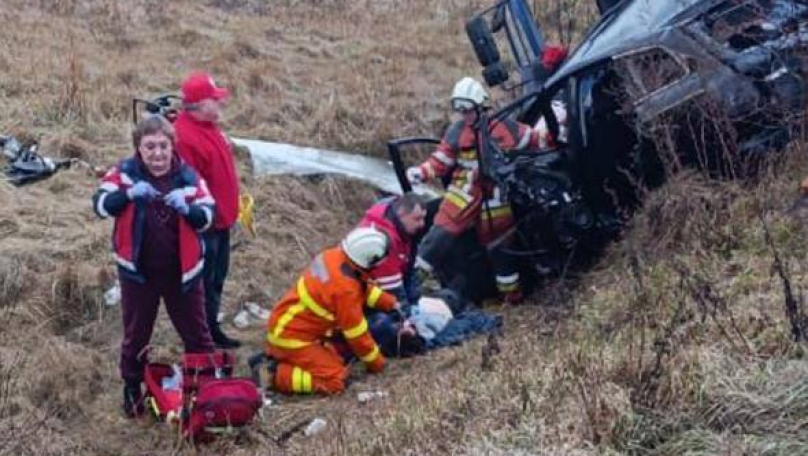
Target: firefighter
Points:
(472, 200)
(329, 300)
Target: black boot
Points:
(132, 399)
(260, 364)
(222, 341)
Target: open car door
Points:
(467, 270)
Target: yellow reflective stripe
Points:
(455, 199)
(311, 304)
(370, 357)
(297, 379)
(301, 381)
(374, 295)
(507, 287)
(287, 343)
(287, 317)
(460, 191)
(305, 303)
(357, 330)
(467, 154)
(496, 212)
(153, 403)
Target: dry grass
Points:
(677, 343)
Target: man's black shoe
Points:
(132, 400)
(222, 341)
(263, 369)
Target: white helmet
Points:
(366, 246)
(468, 94)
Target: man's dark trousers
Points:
(217, 263)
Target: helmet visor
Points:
(462, 105)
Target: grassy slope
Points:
(577, 374)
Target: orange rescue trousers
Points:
(316, 368)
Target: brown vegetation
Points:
(677, 343)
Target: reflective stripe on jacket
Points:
(110, 201)
(458, 157)
(390, 273)
(330, 296)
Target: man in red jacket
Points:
(402, 219)
(203, 145)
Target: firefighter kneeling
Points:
(329, 300)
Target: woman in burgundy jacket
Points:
(160, 206)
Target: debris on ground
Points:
(316, 426)
(367, 396)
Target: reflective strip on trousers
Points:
(508, 283)
(301, 381)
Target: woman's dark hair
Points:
(150, 126)
(411, 345)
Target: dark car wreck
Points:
(654, 86)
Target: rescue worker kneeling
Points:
(329, 298)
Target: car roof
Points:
(629, 25)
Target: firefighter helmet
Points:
(468, 94)
(366, 246)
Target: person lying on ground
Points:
(161, 207)
(329, 299)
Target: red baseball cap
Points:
(201, 86)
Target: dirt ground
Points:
(675, 343)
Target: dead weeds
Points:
(676, 343)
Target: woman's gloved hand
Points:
(415, 174)
(143, 191)
(176, 200)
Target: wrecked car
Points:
(24, 164)
(654, 86)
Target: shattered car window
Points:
(650, 70)
(742, 24)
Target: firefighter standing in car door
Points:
(463, 205)
(329, 300)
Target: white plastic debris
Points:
(367, 396)
(279, 158)
(172, 417)
(242, 319)
(220, 317)
(315, 427)
(257, 311)
(113, 296)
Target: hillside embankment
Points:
(676, 343)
